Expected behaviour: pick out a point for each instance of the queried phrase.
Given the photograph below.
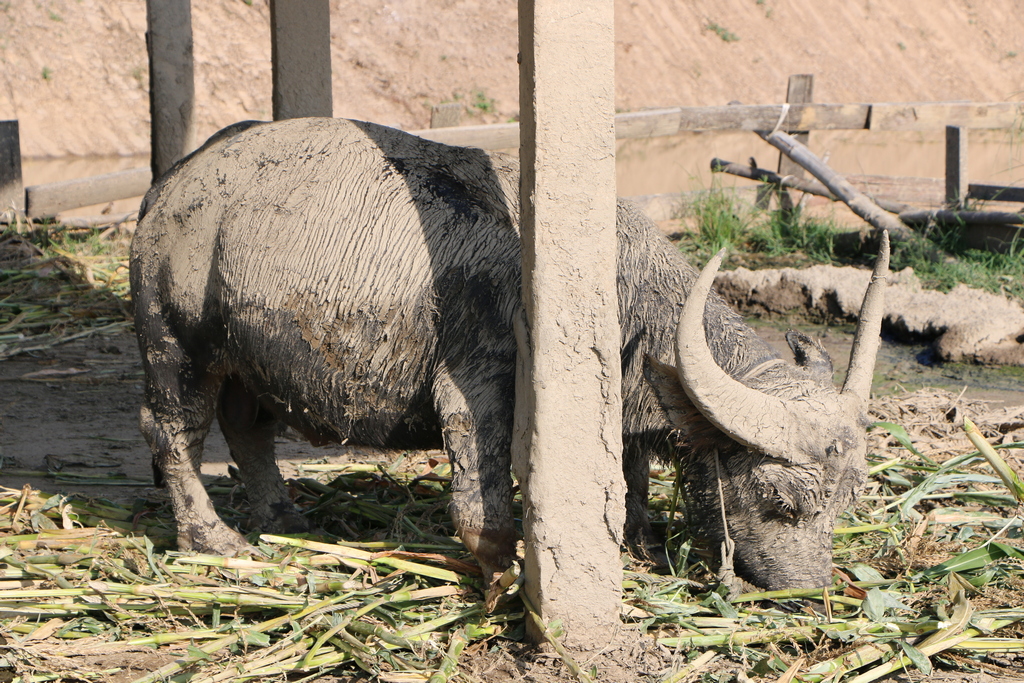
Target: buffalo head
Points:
(776, 451)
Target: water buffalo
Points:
(360, 284)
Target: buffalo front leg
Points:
(249, 431)
(177, 447)
(640, 537)
(476, 425)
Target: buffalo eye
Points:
(777, 487)
(789, 489)
(781, 504)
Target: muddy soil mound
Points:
(964, 324)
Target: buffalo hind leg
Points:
(176, 440)
(249, 431)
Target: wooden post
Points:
(445, 115)
(956, 166)
(12, 191)
(300, 50)
(171, 82)
(568, 434)
(799, 90)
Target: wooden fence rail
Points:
(52, 198)
(47, 200)
(919, 116)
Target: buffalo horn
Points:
(866, 339)
(750, 417)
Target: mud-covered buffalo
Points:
(362, 284)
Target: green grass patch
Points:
(722, 223)
(723, 220)
(722, 32)
(782, 232)
(1001, 273)
(763, 238)
(482, 103)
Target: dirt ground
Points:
(72, 411)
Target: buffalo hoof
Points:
(218, 539)
(494, 550)
(652, 554)
(283, 521)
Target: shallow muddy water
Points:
(681, 163)
(905, 366)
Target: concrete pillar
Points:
(12, 190)
(171, 82)
(568, 436)
(300, 50)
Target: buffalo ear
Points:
(811, 355)
(664, 380)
